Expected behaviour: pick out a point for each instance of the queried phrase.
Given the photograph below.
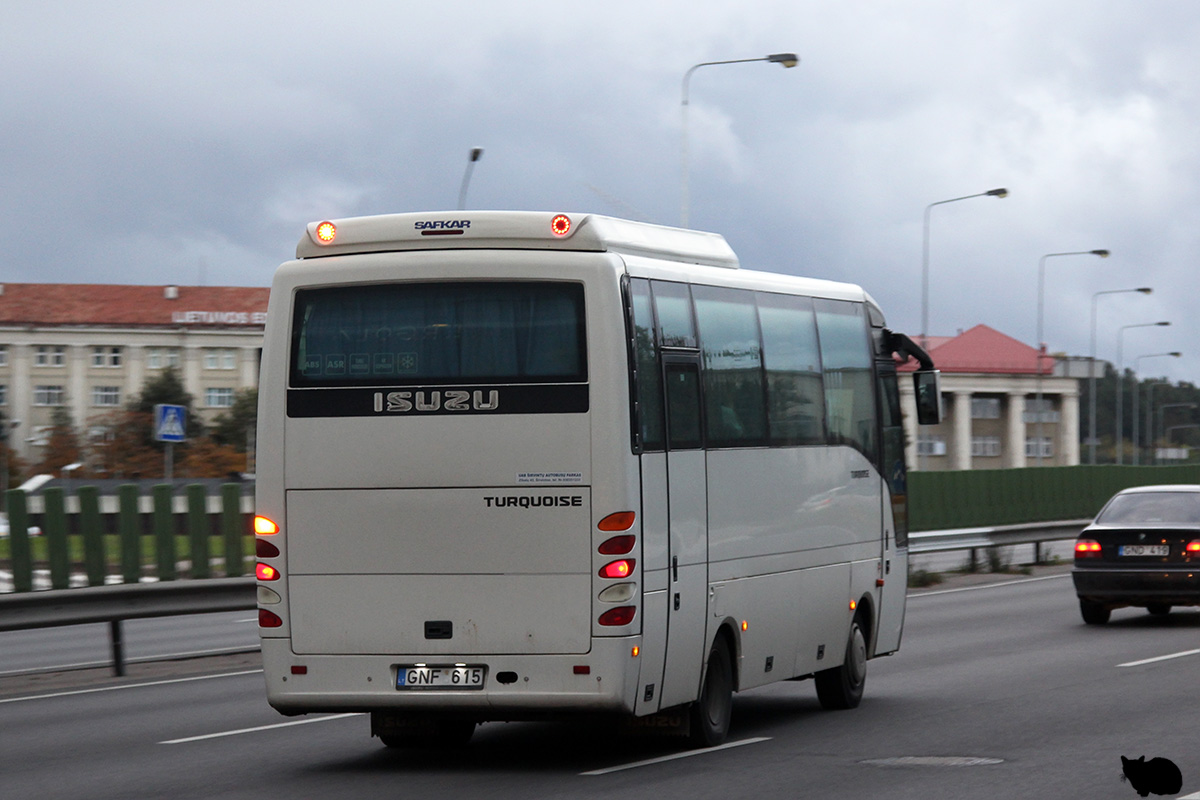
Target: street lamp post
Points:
(1092, 371)
(1119, 444)
(1041, 345)
(786, 59)
(925, 256)
(472, 157)
(1137, 391)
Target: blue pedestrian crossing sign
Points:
(170, 423)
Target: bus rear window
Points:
(439, 333)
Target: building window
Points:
(985, 446)
(160, 357)
(1039, 448)
(220, 397)
(217, 358)
(49, 396)
(49, 356)
(106, 356)
(3, 355)
(985, 408)
(930, 445)
(106, 395)
(1043, 412)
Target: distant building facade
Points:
(994, 419)
(92, 347)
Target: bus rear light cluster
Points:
(1087, 548)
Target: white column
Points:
(1014, 445)
(20, 398)
(248, 356)
(1068, 430)
(133, 365)
(191, 356)
(960, 455)
(79, 390)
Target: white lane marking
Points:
(223, 734)
(1159, 658)
(128, 686)
(1192, 796)
(675, 756)
(918, 595)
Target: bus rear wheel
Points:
(710, 714)
(842, 687)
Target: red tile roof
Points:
(984, 350)
(132, 306)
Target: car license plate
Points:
(1144, 550)
(446, 676)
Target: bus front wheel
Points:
(842, 687)
(710, 714)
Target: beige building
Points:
(991, 385)
(91, 348)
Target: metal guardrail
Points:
(114, 604)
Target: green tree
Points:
(235, 427)
(62, 443)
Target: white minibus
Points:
(518, 465)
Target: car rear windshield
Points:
(439, 333)
(1152, 508)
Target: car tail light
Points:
(618, 569)
(268, 619)
(1087, 548)
(622, 615)
(1193, 546)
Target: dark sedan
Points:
(1143, 549)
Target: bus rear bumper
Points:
(515, 687)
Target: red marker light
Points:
(618, 545)
(265, 572)
(618, 616)
(560, 225)
(326, 232)
(618, 569)
(264, 549)
(267, 619)
(1194, 546)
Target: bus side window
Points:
(733, 378)
(683, 406)
(648, 390)
(849, 379)
(795, 390)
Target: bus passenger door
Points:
(687, 506)
(894, 513)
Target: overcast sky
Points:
(165, 142)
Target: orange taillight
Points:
(264, 526)
(619, 521)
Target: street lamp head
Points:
(1175, 354)
(1145, 290)
(476, 152)
(1102, 254)
(1002, 192)
(787, 59)
(1164, 322)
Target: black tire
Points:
(1159, 609)
(841, 687)
(1094, 613)
(710, 714)
(446, 733)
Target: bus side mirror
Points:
(928, 386)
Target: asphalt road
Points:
(998, 692)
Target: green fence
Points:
(980, 498)
(132, 540)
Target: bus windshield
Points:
(439, 333)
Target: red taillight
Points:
(618, 545)
(264, 549)
(560, 225)
(620, 521)
(265, 572)
(266, 619)
(326, 232)
(1193, 546)
(618, 569)
(265, 527)
(1087, 548)
(622, 615)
